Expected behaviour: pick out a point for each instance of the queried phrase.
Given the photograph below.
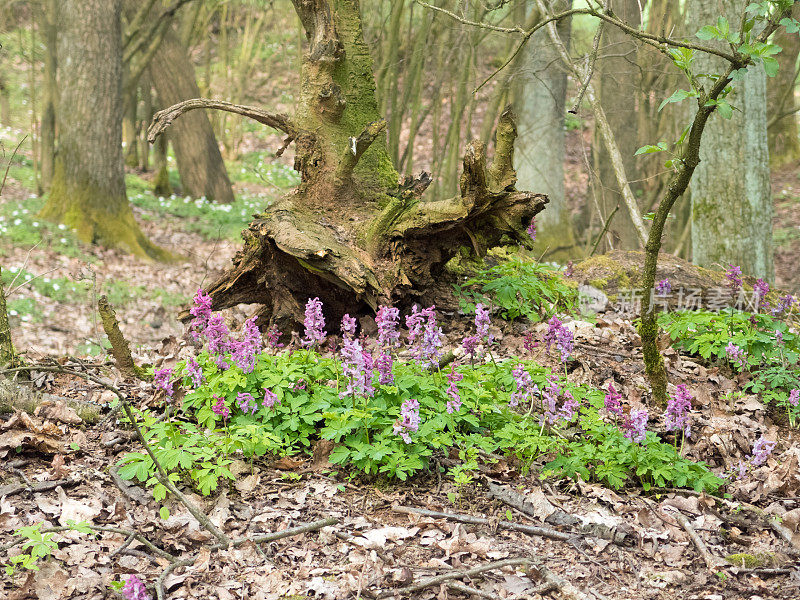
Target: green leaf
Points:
(725, 110)
(770, 66)
(708, 32)
(649, 149)
(677, 96)
(163, 512)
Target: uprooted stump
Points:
(352, 234)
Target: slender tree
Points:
(731, 196)
(88, 187)
(784, 143)
(49, 25)
(540, 104)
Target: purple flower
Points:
(634, 425)
(794, 397)
(270, 399)
(532, 229)
(612, 401)
(761, 451)
(529, 343)
(409, 420)
(470, 345)
(314, 323)
(201, 311)
(676, 417)
(550, 396)
(663, 288)
(424, 335)
(568, 272)
(245, 353)
(734, 277)
(760, 291)
(736, 355)
(387, 320)
(348, 326)
(384, 366)
(779, 337)
(357, 367)
(454, 404)
(482, 322)
(525, 386)
(221, 363)
(247, 403)
(570, 407)
(273, 337)
(220, 409)
(195, 372)
(134, 589)
(217, 335)
(784, 305)
(161, 380)
(560, 336)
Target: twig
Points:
(10, 160)
(44, 486)
(712, 562)
(465, 589)
(605, 228)
(460, 518)
(591, 60)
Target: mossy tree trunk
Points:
(731, 195)
(197, 154)
(88, 187)
(350, 233)
(539, 102)
(8, 356)
(49, 21)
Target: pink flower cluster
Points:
(560, 336)
(409, 420)
(634, 425)
(134, 589)
(676, 417)
(424, 335)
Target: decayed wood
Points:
(119, 345)
(712, 562)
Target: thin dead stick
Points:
(10, 160)
(712, 562)
(465, 589)
(472, 520)
(605, 228)
(430, 581)
(45, 486)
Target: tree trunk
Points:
(784, 144)
(350, 234)
(88, 188)
(539, 102)
(197, 153)
(619, 85)
(731, 199)
(48, 125)
(8, 357)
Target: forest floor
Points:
(625, 544)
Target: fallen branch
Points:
(545, 532)
(465, 589)
(164, 118)
(44, 486)
(119, 345)
(712, 562)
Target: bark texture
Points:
(731, 199)
(351, 234)
(539, 101)
(8, 357)
(88, 188)
(197, 154)
(49, 20)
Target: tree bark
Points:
(197, 154)
(618, 86)
(48, 125)
(8, 356)
(784, 143)
(350, 233)
(539, 102)
(731, 199)
(88, 187)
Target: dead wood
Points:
(120, 348)
(712, 562)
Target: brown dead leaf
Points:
(288, 463)
(322, 450)
(59, 469)
(22, 430)
(50, 581)
(74, 510)
(248, 484)
(57, 410)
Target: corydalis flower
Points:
(794, 397)
(195, 372)
(424, 335)
(134, 589)
(245, 352)
(550, 396)
(273, 337)
(760, 291)
(529, 342)
(409, 420)
(357, 367)
(779, 337)
(612, 401)
(217, 335)
(560, 336)
(387, 320)
(470, 345)
(270, 399)
(532, 229)
(348, 326)
(634, 426)
(761, 451)
(784, 305)
(736, 355)
(161, 381)
(246, 402)
(570, 407)
(734, 277)
(525, 386)
(201, 311)
(314, 323)
(454, 404)
(676, 417)
(663, 287)
(482, 322)
(384, 366)
(220, 409)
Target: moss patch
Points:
(751, 561)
